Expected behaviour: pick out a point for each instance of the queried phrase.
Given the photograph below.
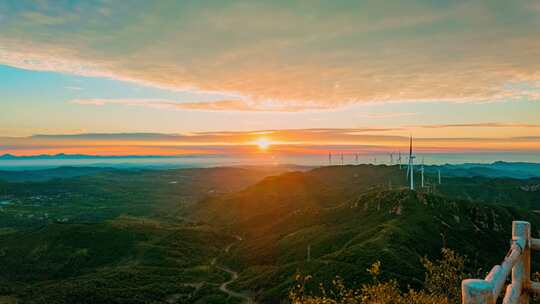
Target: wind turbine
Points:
(391, 159)
(399, 159)
(356, 158)
(342, 159)
(439, 176)
(422, 170)
(329, 158)
(410, 168)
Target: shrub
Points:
(442, 286)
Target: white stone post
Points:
(476, 291)
(517, 291)
(521, 233)
(518, 261)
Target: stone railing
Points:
(517, 262)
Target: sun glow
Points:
(263, 143)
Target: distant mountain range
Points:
(47, 174)
(85, 156)
(40, 175)
(519, 170)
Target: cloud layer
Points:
(286, 55)
(214, 105)
(293, 141)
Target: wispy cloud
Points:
(478, 125)
(387, 115)
(296, 56)
(215, 105)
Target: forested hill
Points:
(175, 236)
(350, 218)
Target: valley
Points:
(233, 235)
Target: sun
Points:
(263, 143)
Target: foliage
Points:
(140, 236)
(441, 286)
(443, 277)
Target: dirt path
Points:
(224, 287)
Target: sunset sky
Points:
(206, 77)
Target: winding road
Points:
(224, 287)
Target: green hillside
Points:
(165, 236)
(128, 260)
(522, 193)
(350, 221)
(109, 194)
(280, 195)
(115, 237)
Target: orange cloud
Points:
(479, 125)
(216, 105)
(287, 59)
(299, 141)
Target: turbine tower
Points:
(391, 159)
(410, 168)
(399, 159)
(342, 159)
(329, 158)
(422, 170)
(439, 176)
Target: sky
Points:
(304, 77)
